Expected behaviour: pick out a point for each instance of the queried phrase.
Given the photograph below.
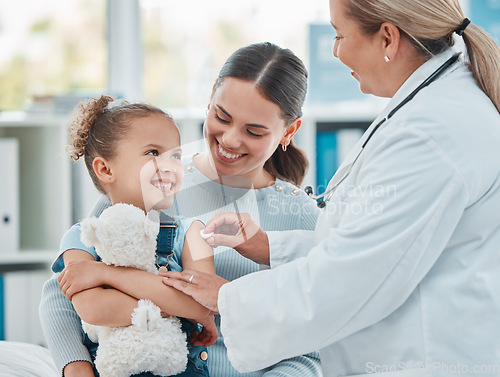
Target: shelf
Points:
(27, 260)
(44, 177)
(15, 119)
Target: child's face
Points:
(147, 167)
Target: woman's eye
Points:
(254, 134)
(153, 152)
(220, 119)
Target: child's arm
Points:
(78, 369)
(197, 254)
(99, 306)
(139, 284)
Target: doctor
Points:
(401, 276)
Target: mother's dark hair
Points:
(282, 78)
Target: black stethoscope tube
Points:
(438, 72)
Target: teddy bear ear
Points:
(89, 231)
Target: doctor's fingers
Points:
(225, 222)
(226, 240)
(231, 229)
(203, 287)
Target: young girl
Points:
(132, 153)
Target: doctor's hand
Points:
(240, 232)
(201, 286)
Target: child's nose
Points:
(166, 165)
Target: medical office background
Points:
(168, 53)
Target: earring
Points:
(386, 58)
(284, 146)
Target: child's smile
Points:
(147, 166)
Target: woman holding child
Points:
(251, 165)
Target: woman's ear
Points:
(290, 131)
(390, 40)
(102, 170)
(212, 94)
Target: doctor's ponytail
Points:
(484, 58)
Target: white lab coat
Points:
(402, 274)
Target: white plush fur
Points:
(124, 236)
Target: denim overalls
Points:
(197, 359)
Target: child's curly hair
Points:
(83, 117)
(96, 127)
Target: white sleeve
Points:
(363, 270)
(285, 246)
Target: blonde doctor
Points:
(401, 276)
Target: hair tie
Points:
(460, 30)
(115, 103)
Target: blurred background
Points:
(165, 52)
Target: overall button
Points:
(295, 191)
(203, 355)
(190, 168)
(279, 188)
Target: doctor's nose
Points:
(335, 49)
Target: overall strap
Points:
(166, 236)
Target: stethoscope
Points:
(329, 192)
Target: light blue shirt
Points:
(72, 240)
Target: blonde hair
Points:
(429, 25)
(96, 127)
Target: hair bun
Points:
(81, 121)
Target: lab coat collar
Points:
(416, 78)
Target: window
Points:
(186, 42)
(50, 48)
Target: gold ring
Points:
(190, 280)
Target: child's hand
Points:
(78, 369)
(79, 276)
(208, 335)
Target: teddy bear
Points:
(124, 236)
